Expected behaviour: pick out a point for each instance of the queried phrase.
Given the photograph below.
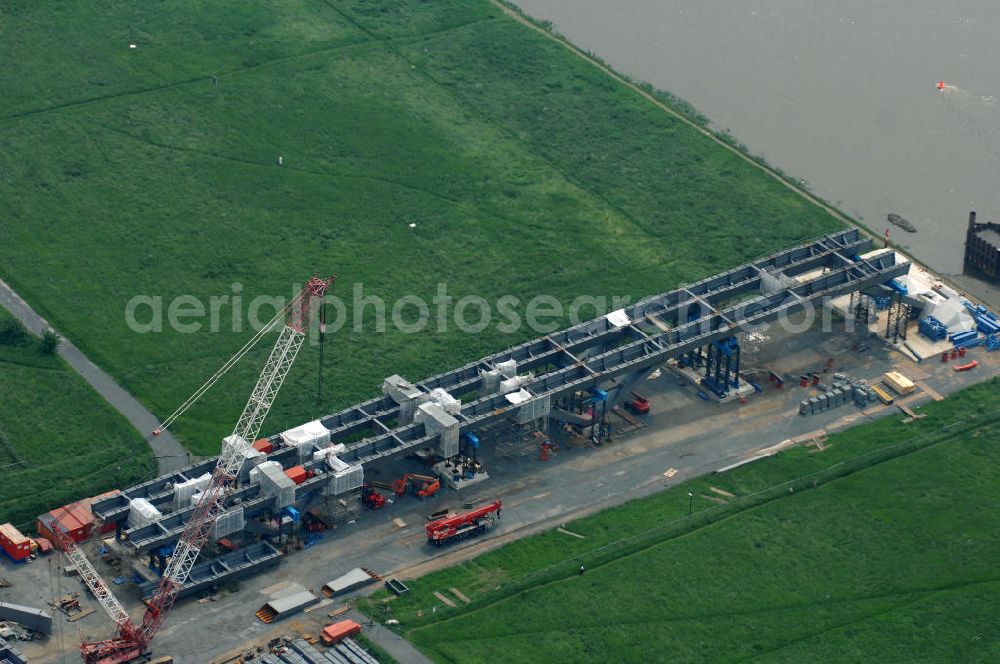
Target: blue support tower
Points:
(722, 366)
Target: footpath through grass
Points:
(882, 547)
(59, 440)
(154, 171)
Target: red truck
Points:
(456, 527)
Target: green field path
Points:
(154, 171)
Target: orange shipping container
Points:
(263, 445)
(337, 632)
(297, 474)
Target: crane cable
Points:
(214, 378)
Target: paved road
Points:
(401, 649)
(170, 454)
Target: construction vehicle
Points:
(371, 498)
(131, 640)
(422, 486)
(638, 405)
(455, 527)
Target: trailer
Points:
(14, 544)
(456, 527)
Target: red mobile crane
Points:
(456, 527)
(131, 640)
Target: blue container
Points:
(932, 328)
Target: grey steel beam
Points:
(582, 338)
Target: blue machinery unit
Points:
(606, 356)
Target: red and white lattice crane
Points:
(131, 640)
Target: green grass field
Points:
(60, 441)
(879, 548)
(154, 171)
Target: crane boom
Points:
(131, 640)
(89, 575)
(246, 430)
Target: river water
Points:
(840, 94)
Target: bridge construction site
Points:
(614, 405)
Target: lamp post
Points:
(690, 499)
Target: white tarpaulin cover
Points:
(305, 436)
(952, 314)
(450, 404)
(255, 473)
(514, 383)
(332, 450)
(518, 397)
(507, 369)
(184, 490)
(141, 513)
(618, 318)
